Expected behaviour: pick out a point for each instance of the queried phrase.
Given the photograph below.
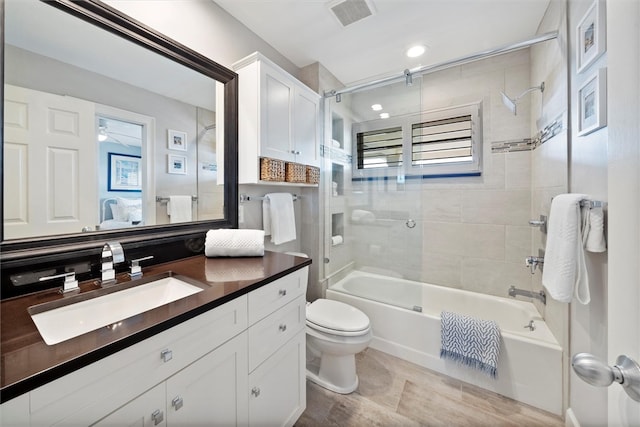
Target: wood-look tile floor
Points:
(393, 392)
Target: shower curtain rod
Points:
(406, 74)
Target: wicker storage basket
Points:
(295, 172)
(313, 175)
(272, 169)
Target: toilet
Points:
(336, 332)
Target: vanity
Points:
(231, 354)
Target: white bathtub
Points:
(530, 365)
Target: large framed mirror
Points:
(111, 131)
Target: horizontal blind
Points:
(442, 141)
(380, 148)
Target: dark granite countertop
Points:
(27, 362)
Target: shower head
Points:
(511, 104)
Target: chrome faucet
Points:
(541, 295)
(112, 254)
(534, 261)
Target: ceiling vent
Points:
(350, 11)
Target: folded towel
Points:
(232, 242)
(249, 269)
(565, 273)
(593, 229)
(470, 341)
(179, 209)
(283, 220)
(266, 217)
(336, 240)
(362, 216)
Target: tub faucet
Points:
(541, 295)
(112, 254)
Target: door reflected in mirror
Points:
(91, 122)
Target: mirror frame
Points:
(18, 252)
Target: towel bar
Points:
(247, 198)
(166, 199)
(592, 203)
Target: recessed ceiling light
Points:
(415, 51)
(384, 115)
(376, 107)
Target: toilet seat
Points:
(336, 318)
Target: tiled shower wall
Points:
(471, 232)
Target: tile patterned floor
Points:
(393, 392)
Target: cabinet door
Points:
(277, 387)
(15, 412)
(147, 410)
(275, 104)
(211, 391)
(306, 135)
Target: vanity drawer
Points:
(269, 334)
(269, 298)
(108, 383)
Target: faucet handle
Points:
(136, 270)
(70, 281)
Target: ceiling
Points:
(306, 31)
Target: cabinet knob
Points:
(282, 327)
(282, 292)
(166, 355)
(177, 403)
(157, 417)
(296, 152)
(255, 391)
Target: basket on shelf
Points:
(295, 172)
(272, 169)
(313, 175)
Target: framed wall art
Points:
(176, 140)
(591, 35)
(592, 103)
(124, 173)
(176, 165)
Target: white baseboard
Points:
(570, 419)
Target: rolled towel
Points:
(232, 242)
(362, 216)
(593, 230)
(335, 144)
(336, 240)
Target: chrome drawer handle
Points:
(282, 292)
(255, 391)
(157, 417)
(177, 403)
(166, 355)
(282, 327)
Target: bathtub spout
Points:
(541, 295)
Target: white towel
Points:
(232, 242)
(179, 209)
(266, 217)
(283, 220)
(249, 269)
(593, 230)
(565, 274)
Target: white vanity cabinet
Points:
(242, 363)
(278, 117)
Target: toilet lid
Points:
(336, 316)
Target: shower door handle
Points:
(626, 372)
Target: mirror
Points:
(110, 129)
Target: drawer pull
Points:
(282, 292)
(282, 327)
(255, 391)
(157, 417)
(177, 403)
(166, 355)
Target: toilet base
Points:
(347, 383)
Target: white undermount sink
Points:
(61, 323)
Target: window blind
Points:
(442, 141)
(380, 148)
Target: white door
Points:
(306, 135)
(623, 42)
(50, 179)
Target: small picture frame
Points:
(592, 103)
(125, 172)
(591, 35)
(176, 165)
(176, 140)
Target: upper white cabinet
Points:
(278, 117)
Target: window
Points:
(446, 142)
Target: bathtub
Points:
(405, 318)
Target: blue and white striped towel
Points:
(470, 341)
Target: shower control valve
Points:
(534, 261)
